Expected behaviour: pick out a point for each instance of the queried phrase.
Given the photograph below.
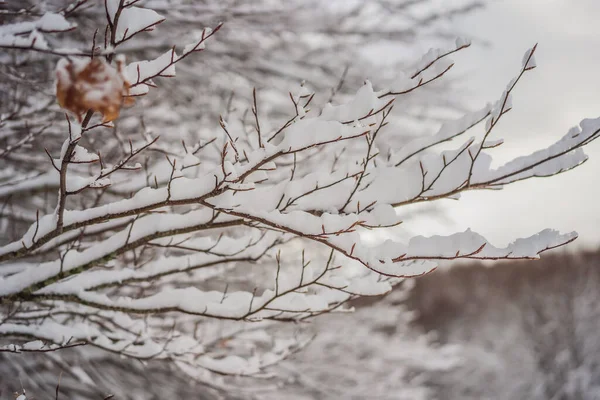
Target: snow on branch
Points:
(148, 244)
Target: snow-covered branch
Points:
(261, 221)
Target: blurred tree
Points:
(525, 331)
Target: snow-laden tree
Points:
(197, 254)
(264, 44)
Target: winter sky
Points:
(564, 89)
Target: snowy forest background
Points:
(516, 329)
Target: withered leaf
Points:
(83, 85)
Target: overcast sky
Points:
(564, 89)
